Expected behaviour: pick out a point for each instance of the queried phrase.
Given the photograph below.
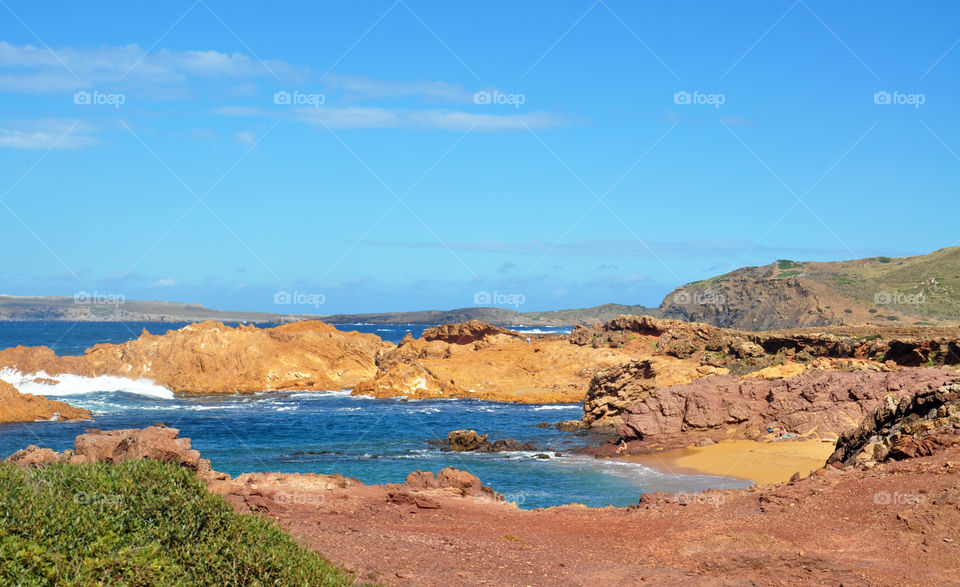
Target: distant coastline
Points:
(52, 308)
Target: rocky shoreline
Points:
(890, 518)
(627, 370)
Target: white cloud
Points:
(361, 87)
(164, 282)
(245, 137)
(30, 69)
(432, 119)
(47, 133)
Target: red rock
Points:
(467, 484)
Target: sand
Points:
(760, 462)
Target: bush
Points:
(140, 523)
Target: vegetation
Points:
(788, 264)
(139, 523)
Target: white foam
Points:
(69, 384)
(559, 407)
(541, 331)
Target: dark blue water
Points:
(374, 440)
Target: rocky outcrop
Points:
(114, 446)
(470, 441)
(466, 332)
(903, 427)
(614, 389)
(271, 493)
(26, 407)
(213, 358)
(814, 403)
(476, 360)
(749, 303)
(743, 351)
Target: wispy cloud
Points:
(47, 133)
(355, 87)
(428, 119)
(36, 70)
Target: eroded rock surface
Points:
(26, 407)
(903, 427)
(213, 358)
(814, 403)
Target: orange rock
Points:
(210, 357)
(26, 407)
(783, 371)
(489, 363)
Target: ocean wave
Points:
(559, 407)
(541, 331)
(69, 384)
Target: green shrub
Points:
(139, 523)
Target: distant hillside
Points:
(500, 316)
(16, 308)
(106, 309)
(786, 294)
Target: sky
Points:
(341, 157)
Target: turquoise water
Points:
(374, 440)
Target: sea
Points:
(330, 431)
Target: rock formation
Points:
(470, 441)
(615, 388)
(213, 358)
(903, 427)
(476, 360)
(26, 407)
(814, 403)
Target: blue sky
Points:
(382, 156)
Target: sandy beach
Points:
(761, 462)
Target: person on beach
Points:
(623, 447)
